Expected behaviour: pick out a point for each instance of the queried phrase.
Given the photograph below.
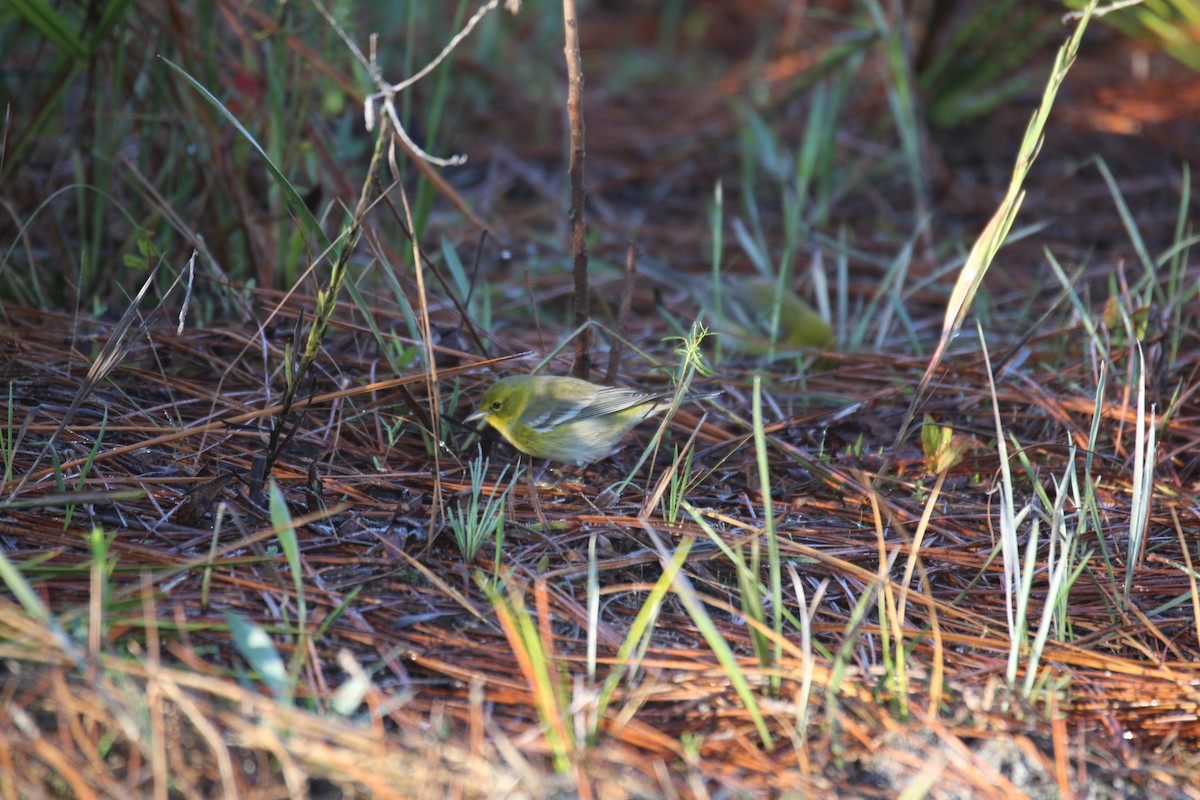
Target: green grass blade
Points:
(53, 26)
(294, 201)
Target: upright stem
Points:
(583, 341)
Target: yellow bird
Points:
(567, 419)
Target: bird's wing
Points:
(612, 400)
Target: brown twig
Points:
(583, 340)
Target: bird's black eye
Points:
(496, 405)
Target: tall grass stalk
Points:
(1091, 505)
(1063, 566)
(9, 440)
(716, 224)
(808, 665)
(1015, 581)
(673, 485)
(892, 652)
(1180, 290)
(1142, 489)
(983, 252)
(773, 559)
(691, 363)
(593, 618)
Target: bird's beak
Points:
(478, 415)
